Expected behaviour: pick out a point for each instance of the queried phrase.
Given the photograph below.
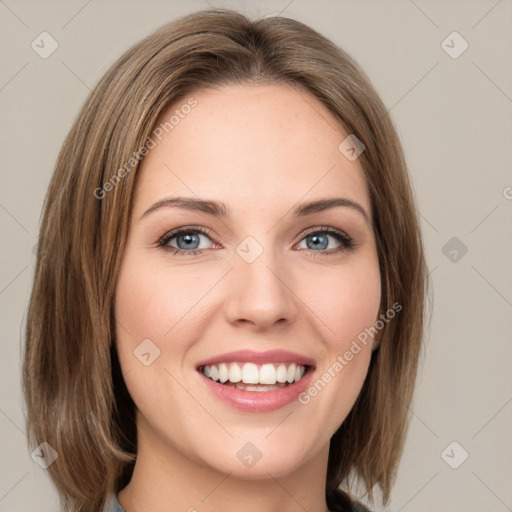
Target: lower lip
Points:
(258, 401)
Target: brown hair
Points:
(75, 394)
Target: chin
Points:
(249, 458)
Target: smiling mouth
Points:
(255, 377)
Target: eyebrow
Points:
(220, 209)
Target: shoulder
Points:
(339, 501)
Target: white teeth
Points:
(281, 373)
(223, 372)
(266, 377)
(235, 373)
(253, 387)
(291, 373)
(250, 374)
(267, 374)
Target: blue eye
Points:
(188, 241)
(319, 239)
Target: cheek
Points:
(346, 301)
(162, 305)
(147, 308)
(150, 303)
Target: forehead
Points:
(249, 145)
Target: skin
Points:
(261, 149)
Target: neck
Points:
(166, 479)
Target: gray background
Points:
(453, 116)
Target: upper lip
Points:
(250, 356)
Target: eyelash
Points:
(347, 243)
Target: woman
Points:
(228, 301)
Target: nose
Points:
(260, 294)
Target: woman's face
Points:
(264, 294)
